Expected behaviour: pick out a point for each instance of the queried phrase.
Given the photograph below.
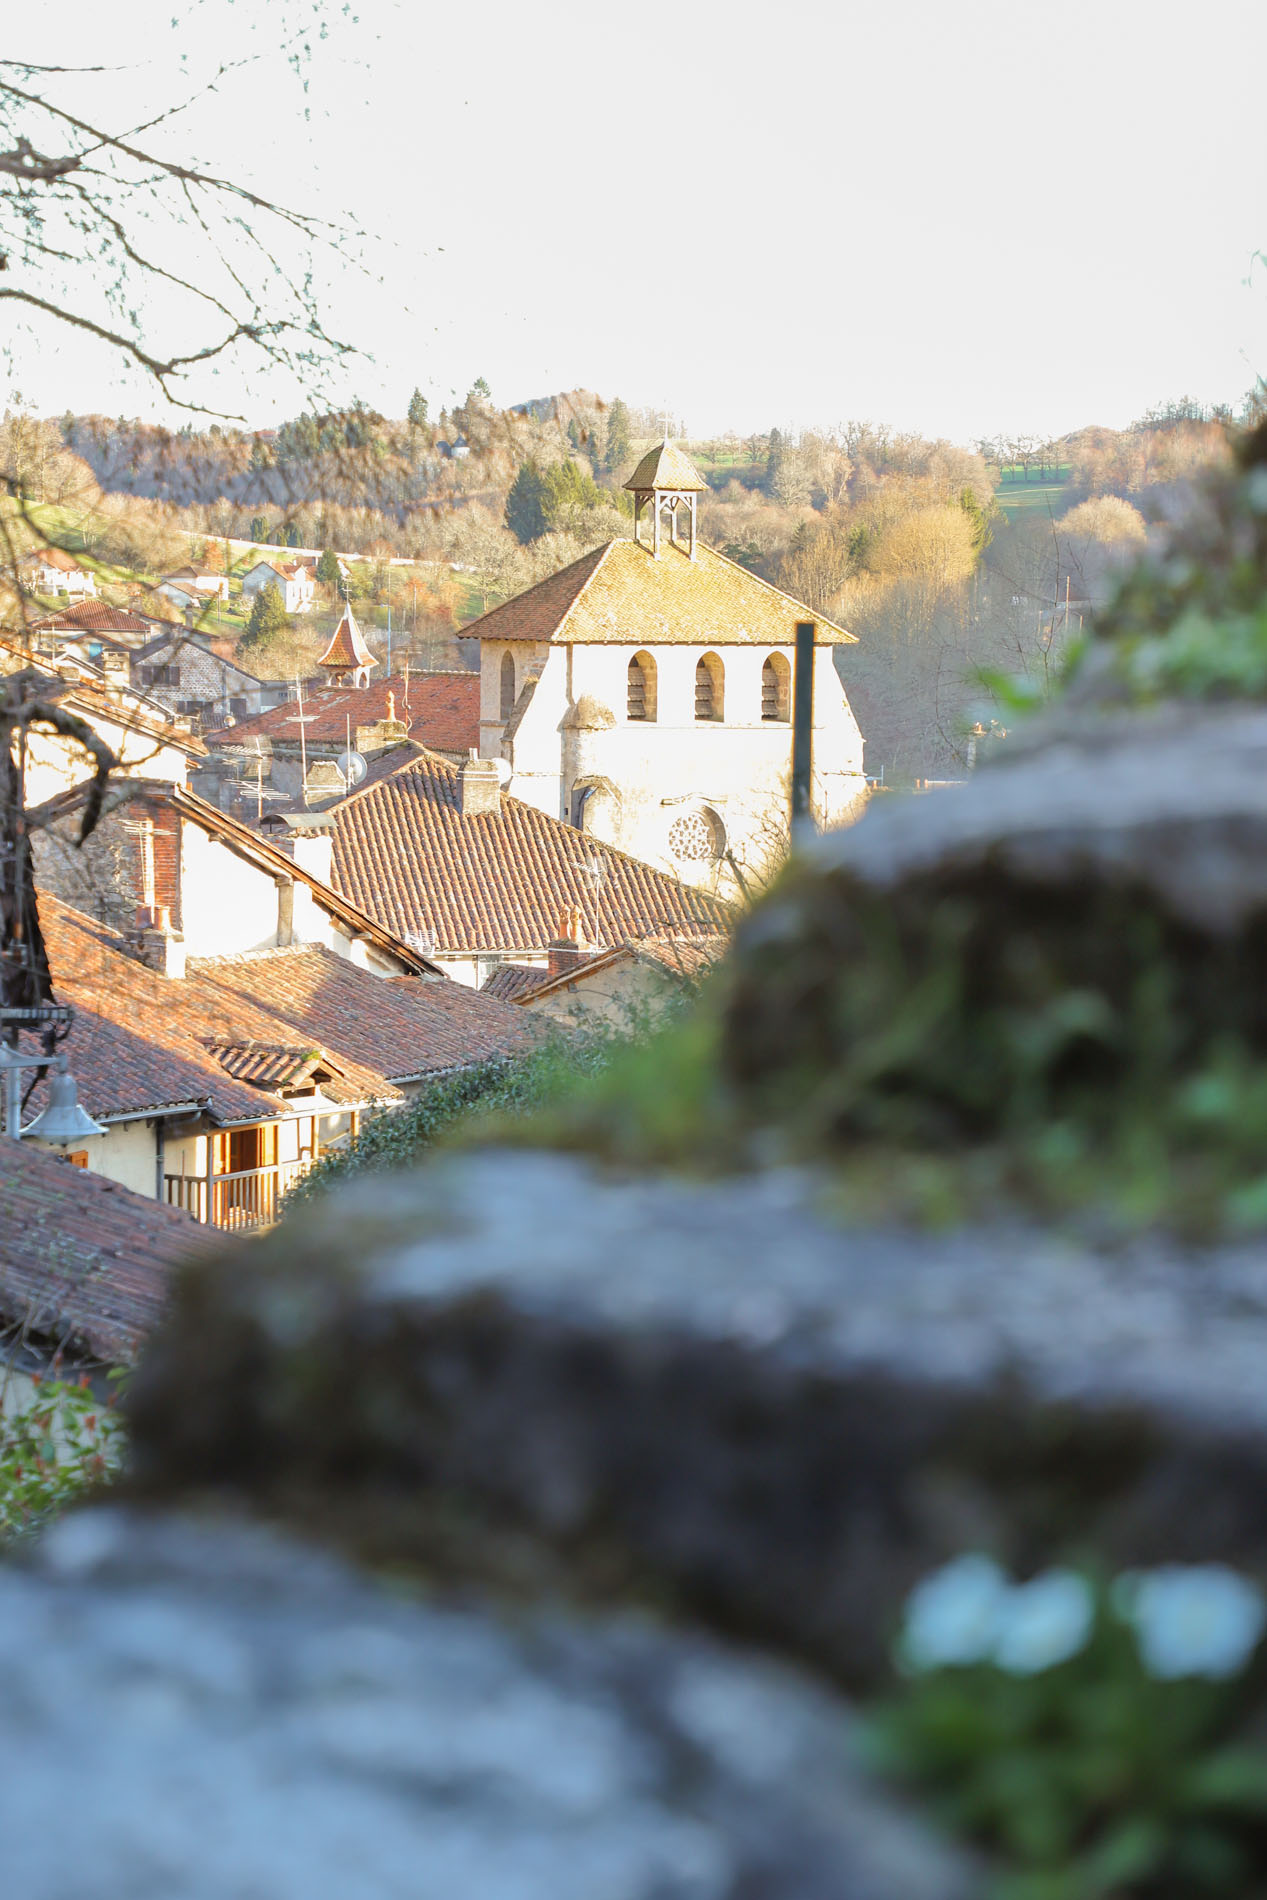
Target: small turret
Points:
(347, 660)
(666, 477)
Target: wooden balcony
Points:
(238, 1202)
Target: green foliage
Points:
(479, 391)
(268, 615)
(490, 1095)
(55, 1449)
(568, 485)
(328, 569)
(618, 437)
(417, 413)
(526, 504)
(259, 529)
(1090, 1779)
(981, 519)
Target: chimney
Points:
(567, 949)
(162, 948)
(313, 852)
(285, 910)
(479, 786)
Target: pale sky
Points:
(1023, 214)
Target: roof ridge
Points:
(468, 631)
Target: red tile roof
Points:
(440, 710)
(497, 882)
(404, 1027)
(85, 1263)
(97, 616)
(275, 1066)
(143, 1042)
(510, 981)
(55, 557)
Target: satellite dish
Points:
(352, 766)
(505, 772)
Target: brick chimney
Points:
(479, 786)
(567, 949)
(161, 947)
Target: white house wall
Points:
(54, 764)
(126, 1153)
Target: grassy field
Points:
(1021, 501)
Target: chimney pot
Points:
(479, 787)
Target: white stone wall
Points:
(54, 764)
(126, 1153)
(648, 773)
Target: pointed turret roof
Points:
(667, 466)
(347, 650)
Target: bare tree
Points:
(94, 208)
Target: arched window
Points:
(776, 683)
(640, 701)
(710, 688)
(508, 686)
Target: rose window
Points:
(694, 838)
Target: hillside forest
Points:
(957, 568)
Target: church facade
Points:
(644, 694)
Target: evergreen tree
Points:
(418, 410)
(268, 615)
(566, 485)
(618, 442)
(774, 462)
(258, 529)
(292, 537)
(328, 570)
(526, 504)
(480, 391)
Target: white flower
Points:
(1196, 1620)
(954, 1616)
(1045, 1622)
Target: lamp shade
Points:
(63, 1121)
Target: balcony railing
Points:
(241, 1201)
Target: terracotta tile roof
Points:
(510, 981)
(687, 957)
(440, 710)
(402, 1026)
(667, 466)
(622, 595)
(405, 853)
(55, 557)
(85, 1263)
(274, 1066)
(144, 1042)
(347, 646)
(97, 616)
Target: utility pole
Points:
(803, 732)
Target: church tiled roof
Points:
(667, 466)
(622, 595)
(495, 881)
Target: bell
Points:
(63, 1121)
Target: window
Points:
(710, 688)
(160, 676)
(697, 837)
(640, 703)
(776, 678)
(507, 687)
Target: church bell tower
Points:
(668, 479)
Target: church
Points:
(644, 694)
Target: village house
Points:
(625, 987)
(293, 750)
(182, 879)
(94, 631)
(219, 1081)
(146, 739)
(52, 571)
(199, 582)
(644, 695)
(194, 672)
(295, 581)
(446, 860)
